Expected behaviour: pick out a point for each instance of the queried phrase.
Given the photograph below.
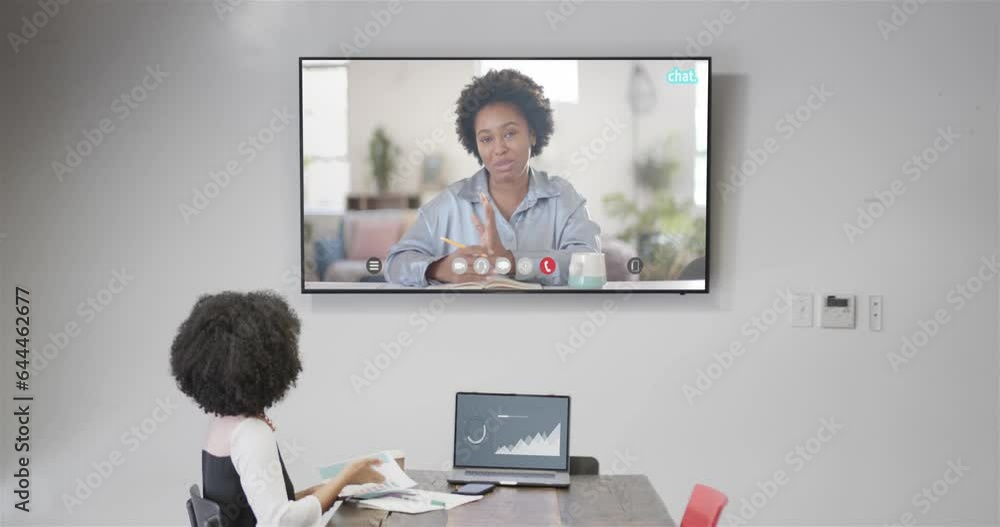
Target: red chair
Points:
(704, 508)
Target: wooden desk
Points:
(589, 501)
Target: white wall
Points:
(782, 229)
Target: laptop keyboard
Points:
(490, 474)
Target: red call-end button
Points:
(547, 265)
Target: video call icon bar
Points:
(503, 266)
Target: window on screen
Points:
(701, 134)
(326, 169)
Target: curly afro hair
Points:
(506, 85)
(237, 353)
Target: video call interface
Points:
(511, 431)
(513, 174)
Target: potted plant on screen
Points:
(382, 154)
(667, 234)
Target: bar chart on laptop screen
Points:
(511, 431)
(536, 445)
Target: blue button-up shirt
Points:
(552, 220)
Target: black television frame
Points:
(423, 290)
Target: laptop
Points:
(511, 439)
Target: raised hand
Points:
(488, 236)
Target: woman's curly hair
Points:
(237, 353)
(503, 86)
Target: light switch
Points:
(837, 311)
(802, 310)
(875, 308)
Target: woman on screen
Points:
(236, 355)
(507, 209)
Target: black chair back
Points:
(203, 512)
(583, 466)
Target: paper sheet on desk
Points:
(395, 478)
(415, 501)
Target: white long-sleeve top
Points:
(252, 446)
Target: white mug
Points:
(587, 271)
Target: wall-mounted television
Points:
(504, 175)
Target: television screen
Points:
(505, 175)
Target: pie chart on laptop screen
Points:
(475, 431)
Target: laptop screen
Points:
(512, 431)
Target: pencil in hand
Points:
(453, 243)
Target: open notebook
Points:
(492, 283)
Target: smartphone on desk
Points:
(475, 489)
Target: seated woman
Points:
(236, 355)
(503, 120)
